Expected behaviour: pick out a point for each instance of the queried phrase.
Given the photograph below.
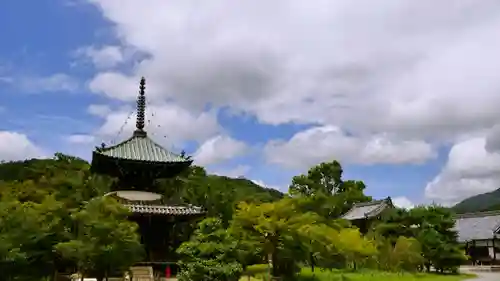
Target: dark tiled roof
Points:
(143, 202)
(476, 226)
(165, 210)
(367, 209)
(141, 148)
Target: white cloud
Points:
(402, 202)
(53, 83)
(218, 149)
(325, 143)
(235, 172)
(263, 184)
(167, 123)
(5, 79)
(17, 146)
(375, 67)
(470, 170)
(397, 75)
(104, 57)
(81, 139)
(493, 139)
(99, 110)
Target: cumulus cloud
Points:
(218, 149)
(374, 67)
(325, 143)
(100, 110)
(17, 146)
(166, 123)
(104, 57)
(235, 172)
(396, 75)
(493, 139)
(80, 139)
(263, 184)
(52, 83)
(470, 170)
(402, 202)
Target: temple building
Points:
(137, 162)
(479, 234)
(364, 214)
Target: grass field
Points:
(326, 275)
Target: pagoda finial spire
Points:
(141, 109)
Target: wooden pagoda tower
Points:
(137, 162)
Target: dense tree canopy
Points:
(432, 227)
(54, 217)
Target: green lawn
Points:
(326, 275)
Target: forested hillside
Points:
(483, 202)
(66, 174)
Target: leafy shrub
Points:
(405, 255)
(210, 255)
(210, 270)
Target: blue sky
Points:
(262, 94)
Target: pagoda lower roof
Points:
(143, 149)
(143, 202)
(165, 210)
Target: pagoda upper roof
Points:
(141, 148)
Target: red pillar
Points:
(167, 272)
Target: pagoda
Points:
(136, 163)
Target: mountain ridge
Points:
(489, 201)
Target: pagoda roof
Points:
(139, 208)
(149, 203)
(141, 148)
(366, 210)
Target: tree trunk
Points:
(274, 258)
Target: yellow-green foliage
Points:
(353, 246)
(257, 269)
(332, 275)
(406, 255)
(337, 275)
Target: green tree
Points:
(28, 232)
(435, 231)
(432, 226)
(408, 254)
(283, 231)
(211, 254)
(219, 195)
(329, 195)
(104, 241)
(325, 178)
